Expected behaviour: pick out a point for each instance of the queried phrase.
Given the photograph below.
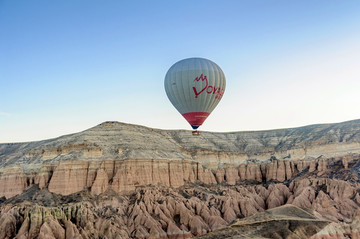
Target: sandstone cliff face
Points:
(120, 181)
(126, 153)
(66, 177)
(116, 141)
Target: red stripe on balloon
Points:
(196, 118)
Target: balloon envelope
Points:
(195, 86)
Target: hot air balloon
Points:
(195, 86)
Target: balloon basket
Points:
(196, 133)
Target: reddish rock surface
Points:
(161, 212)
(66, 177)
(123, 181)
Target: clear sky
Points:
(66, 66)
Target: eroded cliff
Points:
(119, 181)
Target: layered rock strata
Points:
(66, 177)
(165, 212)
(122, 156)
(125, 181)
(286, 221)
(118, 141)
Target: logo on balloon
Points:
(209, 89)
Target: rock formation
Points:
(66, 177)
(282, 222)
(160, 211)
(125, 181)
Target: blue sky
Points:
(66, 66)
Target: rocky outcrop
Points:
(66, 177)
(128, 152)
(13, 181)
(116, 141)
(125, 181)
(337, 230)
(286, 221)
(165, 212)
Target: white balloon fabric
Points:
(195, 86)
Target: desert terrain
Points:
(118, 180)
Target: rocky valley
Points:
(118, 180)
